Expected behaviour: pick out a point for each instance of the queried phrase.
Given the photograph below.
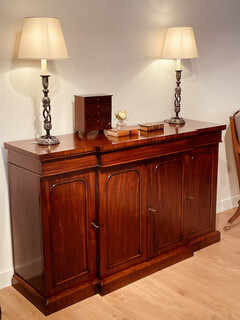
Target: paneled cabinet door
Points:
(68, 206)
(167, 200)
(123, 217)
(202, 186)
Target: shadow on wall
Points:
(161, 39)
(4, 155)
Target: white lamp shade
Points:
(179, 44)
(42, 38)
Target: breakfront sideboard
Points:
(95, 213)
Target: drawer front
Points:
(144, 152)
(93, 111)
(97, 100)
(98, 123)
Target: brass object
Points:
(94, 225)
(228, 227)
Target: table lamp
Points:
(179, 44)
(42, 39)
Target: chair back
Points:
(235, 131)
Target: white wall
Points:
(112, 46)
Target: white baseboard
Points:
(6, 278)
(227, 204)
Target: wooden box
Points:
(93, 112)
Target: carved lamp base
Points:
(47, 140)
(177, 102)
(175, 120)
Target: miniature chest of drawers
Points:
(93, 112)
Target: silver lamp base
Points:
(175, 120)
(48, 140)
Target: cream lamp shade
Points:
(42, 38)
(179, 44)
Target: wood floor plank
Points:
(211, 275)
(212, 301)
(99, 309)
(169, 301)
(138, 307)
(204, 287)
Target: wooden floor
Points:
(204, 287)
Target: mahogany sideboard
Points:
(95, 213)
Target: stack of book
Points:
(151, 126)
(129, 131)
(134, 130)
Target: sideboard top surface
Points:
(73, 144)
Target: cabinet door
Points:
(167, 223)
(69, 241)
(202, 186)
(123, 217)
